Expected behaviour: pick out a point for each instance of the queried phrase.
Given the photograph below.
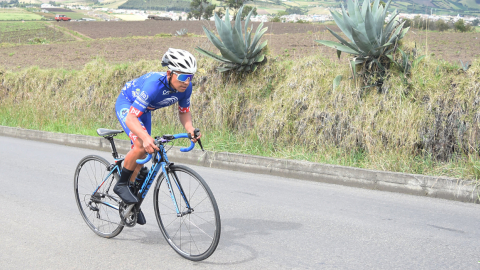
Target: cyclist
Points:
(139, 98)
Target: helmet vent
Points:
(179, 60)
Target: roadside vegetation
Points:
(285, 109)
(421, 117)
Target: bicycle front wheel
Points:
(193, 231)
(96, 201)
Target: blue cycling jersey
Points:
(152, 91)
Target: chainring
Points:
(131, 219)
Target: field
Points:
(128, 17)
(118, 42)
(31, 33)
(18, 15)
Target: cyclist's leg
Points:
(138, 152)
(122, 189)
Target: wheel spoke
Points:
(193, 235)
(90, 174)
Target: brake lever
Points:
(155, 151)
(200, 143)
(196, 132)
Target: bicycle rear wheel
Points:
(196, 234)
(99, 209)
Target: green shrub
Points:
(276, 19)
(462, 27)
(442, 25)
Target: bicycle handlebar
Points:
(183, 149)
(143, 161)
(186, 136)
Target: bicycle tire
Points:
(103, 220)
(202, 226)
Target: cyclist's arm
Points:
(186, 120)
(184, 113)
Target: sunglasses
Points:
(185, 78)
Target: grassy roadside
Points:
(287, 110)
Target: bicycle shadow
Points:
(236, 232)
(234, 239)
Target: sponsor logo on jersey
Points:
(123, 114)
(166, 92)
(135, 111)
(132, 136)
(183, 110)
(136, 93)
(139, 103)
(167, 102)
(144, 95)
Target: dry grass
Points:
(286, 109)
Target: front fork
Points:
(172, 194)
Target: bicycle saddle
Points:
(106, 132)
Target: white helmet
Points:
(179, 60)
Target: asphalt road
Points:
(267, 223)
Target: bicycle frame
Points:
(160, 162)
(118, 170)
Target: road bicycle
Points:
(184, 205)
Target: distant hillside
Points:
(166, 5)
(439, 7)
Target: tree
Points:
(247, 10)
(220, 13)
(476, 22)
(208, 12)
(461, 26)
(235, 5)
(201, 9)
(441, 25)
(294, 10)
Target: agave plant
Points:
(370, 41)
(239, 51)
(182, 32)
(406, 62)
(464, 66)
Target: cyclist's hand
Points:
(149, 145)
(192, 134)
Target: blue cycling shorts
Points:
(122, 107)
